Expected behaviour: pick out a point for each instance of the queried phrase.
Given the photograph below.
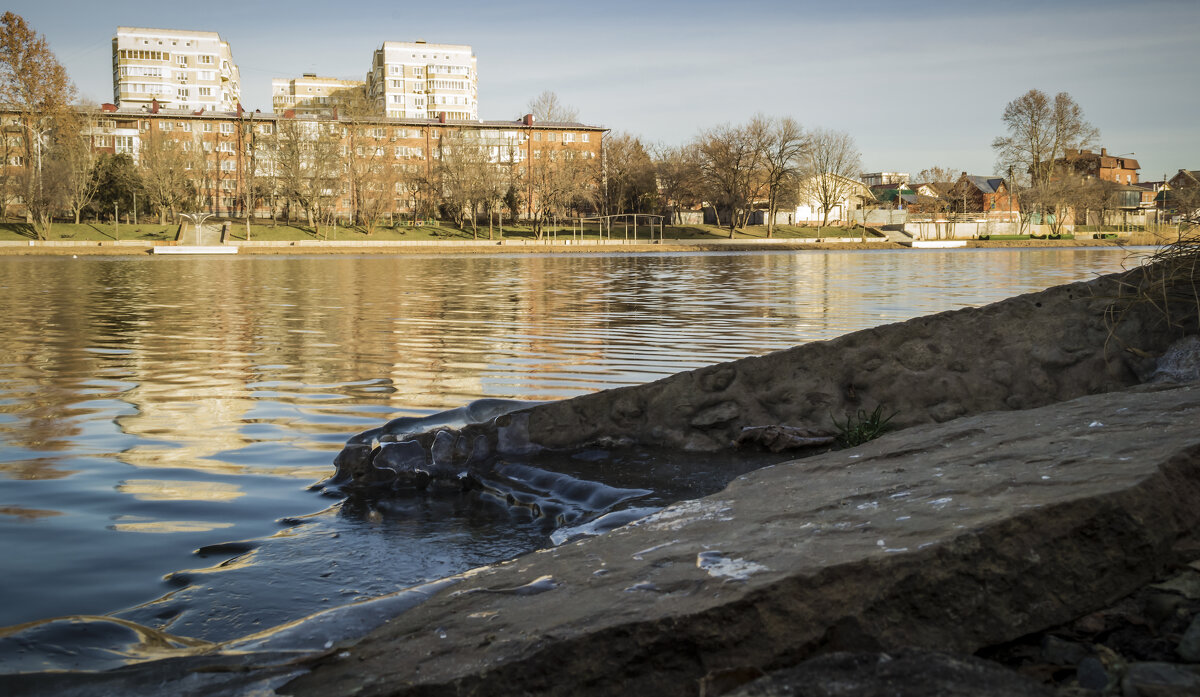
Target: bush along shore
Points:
(1025, 524)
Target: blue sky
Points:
(916, 84)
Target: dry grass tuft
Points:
(1168, 283)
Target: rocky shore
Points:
(1031, 527)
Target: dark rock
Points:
(910, 673)
(1061, 652)
(1161, 680)
(1092, 675)
(1189, 644)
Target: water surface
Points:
(153, 410)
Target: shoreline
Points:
(318, 247)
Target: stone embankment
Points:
(951, 537)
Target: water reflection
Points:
(161, 490)
(200, 397)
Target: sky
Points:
(916, 84)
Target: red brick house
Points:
(989, 195)
(1111, 168)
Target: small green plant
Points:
(862, 427)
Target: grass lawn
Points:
(433, 231)
(90, 232)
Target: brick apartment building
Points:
(225, 142)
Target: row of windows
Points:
(139, 54)
(567, 137)
(447, 84)
(378, 132)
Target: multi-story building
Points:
(881, 178)
(309, 94)
(177, 69)
(1121, 169)
(415, 79)
(226, 149)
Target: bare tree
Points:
(1040, 131)
(557, 183)
(307, 159)
(547, 107)
(167, 175)
(78, 159)
(729, 162)
(628, 175)
(937, 173)
(676, 171)
(462, 168)
(34, 84)
(783, 162)
(832, 163)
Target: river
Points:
(163, 419)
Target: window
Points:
(165, 125)
(225, 146)
(181, 60)
(227, 128)
(185, 126)
(227, 184)
(123, 144)
(550, 137)
(584, 137)
(205, 60)
(102, 141)
(537, 136)
(568, 137)
(205, 91)
(182, 93)
(106, 123)
(228, 165)
(208, 75)
(266, 128)
(208, 128)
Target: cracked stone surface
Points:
(947, 537)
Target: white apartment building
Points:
(308, 94)
(180, 69)
(415, 79)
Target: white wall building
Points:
(308, 94)
(180, 69)
(844, 197)
(415, 79)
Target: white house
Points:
(844, 196)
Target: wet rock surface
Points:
(954, 537)
(1024, 352)
(911, 673)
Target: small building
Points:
(988, 195)
(850, 197)
(1185, 179)
(896, 196)
(880, 178)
